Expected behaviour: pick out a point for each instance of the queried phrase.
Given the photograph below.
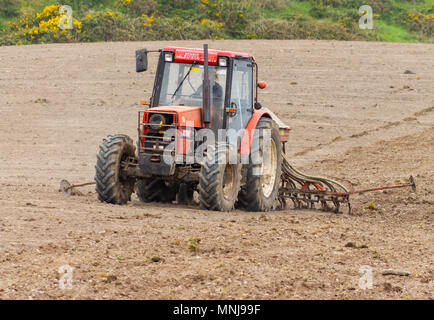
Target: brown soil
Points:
(355, 114)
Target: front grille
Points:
(151, 142)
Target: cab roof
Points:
(189, 55)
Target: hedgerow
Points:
(142, 20)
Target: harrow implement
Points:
(306, 191)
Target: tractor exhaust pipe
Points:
(206, 107)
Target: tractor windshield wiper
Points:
(180, 85)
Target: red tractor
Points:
(204, 131)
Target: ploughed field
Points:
(362, 112)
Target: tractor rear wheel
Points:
(263, 177)
(112, 185)
(155, 190)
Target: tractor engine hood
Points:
(186, 116)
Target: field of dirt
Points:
(363, 112)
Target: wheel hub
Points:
(228, 181)
(269, 169)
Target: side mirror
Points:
(262, 84)
(141, 60)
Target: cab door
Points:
(241, 95)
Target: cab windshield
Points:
(182, 85)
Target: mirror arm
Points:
(142, 59)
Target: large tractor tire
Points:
(263, 177)
(155, 190)
(219, 183)
(111, 185)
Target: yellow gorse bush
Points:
(211, 23)
(110, 14)
(137, 20)
(44, 26)
(251, 35)
(421, 23)
(149, 21)
(50, 10)
(420, 16)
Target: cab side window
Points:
(241, 94)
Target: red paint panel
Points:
(189, 55)
(246, 142)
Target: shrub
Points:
(107, 26)
(422, 23)
(301, 28)
(138, 20)
(138, 7)
(43, 27)
(231, 15)
(270, 29)
(9, 8)
(318, 11)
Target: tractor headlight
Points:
(156, 121)
(168, 57)
(223, 62)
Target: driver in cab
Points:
(217, 90)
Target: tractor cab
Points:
(180, 77)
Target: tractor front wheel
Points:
(219, 181)
(112, 185)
